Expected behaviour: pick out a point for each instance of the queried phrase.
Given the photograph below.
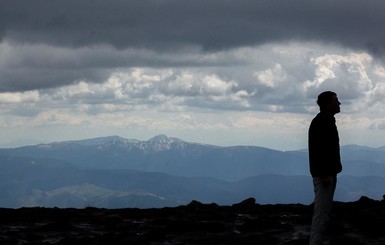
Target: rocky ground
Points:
(360, 222)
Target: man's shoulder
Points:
(324, 117)
(317, 118)
(321, 121)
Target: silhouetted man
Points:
(324, 161)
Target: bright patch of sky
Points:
(252, 101)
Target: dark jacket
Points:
(324, 146)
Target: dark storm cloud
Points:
(51, 43)
(209, 24)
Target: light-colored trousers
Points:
(324, 191)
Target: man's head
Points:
(328, 102)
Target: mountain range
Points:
(114, 172)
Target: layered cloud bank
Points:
(195, 69)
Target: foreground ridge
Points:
(247, 222)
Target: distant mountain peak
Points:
(161, 138)
(162, 142)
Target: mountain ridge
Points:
(177, 157)
(165, 138)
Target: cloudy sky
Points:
(240, 72)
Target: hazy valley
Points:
(114, 172)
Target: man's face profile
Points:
(334, 106)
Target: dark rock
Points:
(245, 204)
(366, 200)
(359, 222)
